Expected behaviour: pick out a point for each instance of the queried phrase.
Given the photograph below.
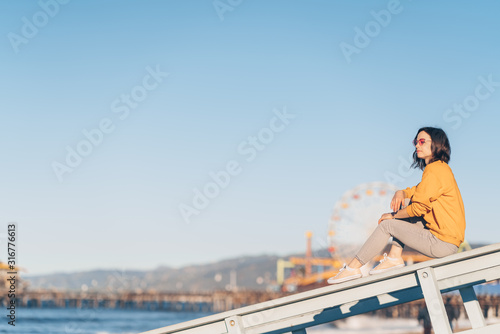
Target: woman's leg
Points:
(396, 249)
(375, 243)
(373, 246)
(404, 232)
(409, 231)
(378, 240)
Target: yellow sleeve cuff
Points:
(409, 212)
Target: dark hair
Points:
(440, 147)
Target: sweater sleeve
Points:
(409, 191)
(427, 191)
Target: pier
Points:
(218, 301)
(209, 302)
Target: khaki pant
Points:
(408, 231)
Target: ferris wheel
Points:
(355, 216)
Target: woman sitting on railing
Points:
(428, 217)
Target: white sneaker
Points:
(386, 264)
(345, 274)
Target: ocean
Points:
(91, 321)
(113, 321)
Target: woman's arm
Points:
(398, 200)
(400, 214)
(428, 190)
(394, 215)
(410, 191)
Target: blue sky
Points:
(333, 92)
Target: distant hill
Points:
(250, 272)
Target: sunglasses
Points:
(420, 141)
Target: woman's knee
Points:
(387, 224)
(396, 227)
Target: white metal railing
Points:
(426, 280)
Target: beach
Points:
(363, 324)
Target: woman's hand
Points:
(397, 200)
(386, 216)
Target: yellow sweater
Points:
(437, 199)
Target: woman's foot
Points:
(345, 274)
(386, 264)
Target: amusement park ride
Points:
(354, 218)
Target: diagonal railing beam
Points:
(297, 312)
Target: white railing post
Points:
(472, 307)
(434, 301)
(234, 325)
